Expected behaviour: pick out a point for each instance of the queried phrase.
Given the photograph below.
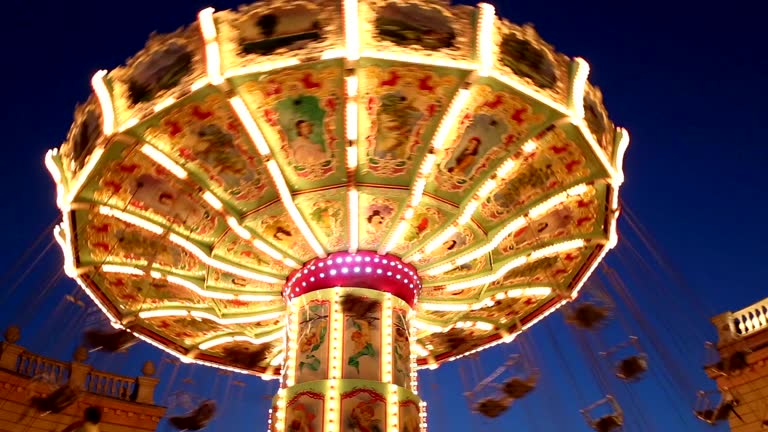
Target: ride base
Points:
(348, 363)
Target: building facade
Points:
(127, 403)
(742, 370)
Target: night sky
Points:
(687, 81)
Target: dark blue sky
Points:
(687, 80)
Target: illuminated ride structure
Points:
(337, 194)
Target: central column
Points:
(348, 364)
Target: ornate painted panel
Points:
(111, 240)
(596, 117)
(275, 226)
(401, 108)
(493, 125)
(363, 409)
(206, 138)
(167, 67)
(264, 32)
(439, 33)
(83, 136)
(327, 215)
(408, 417)
(556, 164)
(234, 249)
(304, 412)
(312, 354)
(361, 353)
(524, 57)
(401, 349)
(132, 182)
(378, 212)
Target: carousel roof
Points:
(225, 155)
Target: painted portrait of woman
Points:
(463, 163)
(483, 133)
(397, 118)
(301, 119)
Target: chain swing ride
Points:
(339, 193)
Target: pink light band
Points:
(364, 269)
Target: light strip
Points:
(579, 86)
(165, 103)
(131, 219)
(260, 245)
(596, 149)
(530, 93)
(195, 250)
(468, 210)
(250, 125)
(164, 161)
(488, 301)
(82, 176)
(212, 51)
(58, 178)
(416, 348)
(186, 244)
(185, 359)
(352, 156)
(336, 322)
(354, 234)
(386, 340)
(352, 29)
(428, 163)
(613, 239)
(211, 199)
(517, 262)
(448, 122)
(293, 211)
(485, 38)
(237, 228)
(293, 343)
(619, 165)
(63, 237)
(352, 121)
(121, 269)
(393, 411)
(262, 67)
(159, 313)
(241, 338)
(400, 56)
(508, 229)
(105, 101)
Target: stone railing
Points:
(16, 359)
(42, 368)
(107, 384)
(748, 321)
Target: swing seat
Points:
(608, 423)
(588, 315)
(517, 388)
(56, 402)
(632, 368)
(197, 419)
(717, 415)
(117, 341)
(491, 407)
(245, 358)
